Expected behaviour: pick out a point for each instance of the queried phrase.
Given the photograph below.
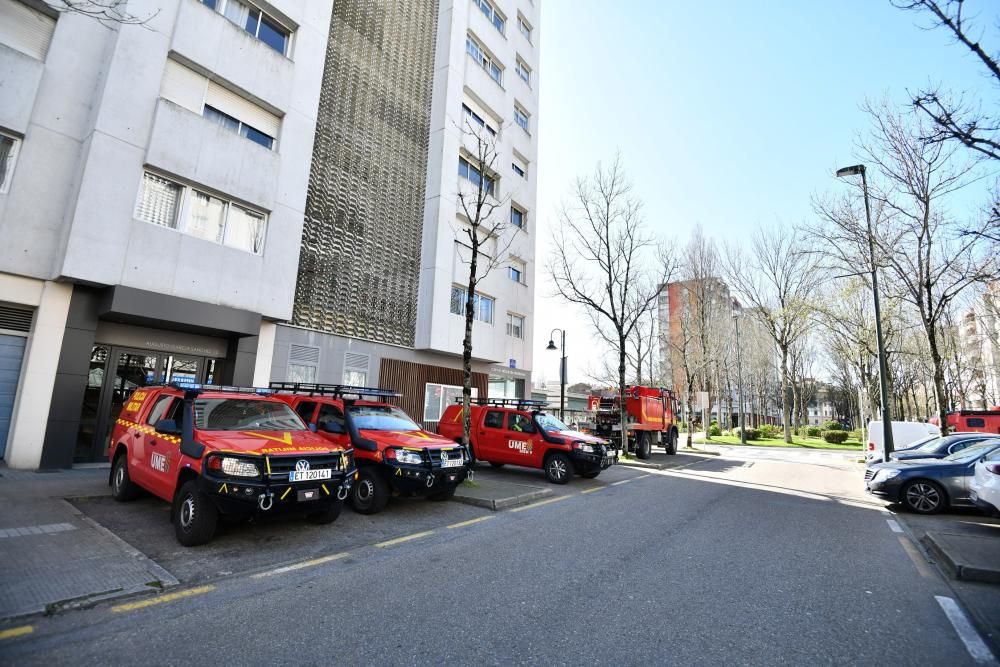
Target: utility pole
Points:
(739, 378)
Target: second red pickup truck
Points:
(520, 433)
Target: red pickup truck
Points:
(394, 455)
(518, 432)
(230, 450)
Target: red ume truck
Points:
(651, 418)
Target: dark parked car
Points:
(927, 486)
(939, 447)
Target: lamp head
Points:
(856, 170)
(551, 345)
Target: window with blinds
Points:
(355, 369)
(159, 201)
(25, 29)
(195, 92)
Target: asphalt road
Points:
(724, 561)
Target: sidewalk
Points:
(53, 556)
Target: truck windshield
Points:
(550, 423)
(244, 414)
(381, 418)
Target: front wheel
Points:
(923, 497)
(122, 486)
(195, 516)
(558, 469)
(672, 443)
(327, 515)
(370, 492)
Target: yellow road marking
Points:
(10, 633)
(463, 524)
(596, 488)
(405, 538)
(299, 566)
(160, 599)
(539, 503)
(918, 560)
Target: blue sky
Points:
(728, 114)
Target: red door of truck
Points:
(490, 441)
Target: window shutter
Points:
(355, 362)
(303, 354)
(242, 109)
(13, 318)
(183, 86)
(25, 29)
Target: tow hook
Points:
(265, 501)
(472, 474)
(430, 480)
(342, 493)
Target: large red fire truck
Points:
(651, 418)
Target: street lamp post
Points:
(883, 373)
(739, 378)
(562, 369)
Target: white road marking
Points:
(974, 644)
(44, 529)
(893, 526)
(299, 566)
(624, 481)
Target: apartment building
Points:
(380, 292)
(153, 184)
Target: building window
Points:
(521, 118)
(494, 17)
(525, 29)
(169, 204)
(473, 175)
(9, 147)
(25, 29)
(516, 271)
(355, 369)
(438, 396)
(515, 325)
(252, 19)
(482, 306)
(523, 71)
(518, 217)
(474, 49)
(303, 361)
(238, 127)
(517, 169)
(474, 120)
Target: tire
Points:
(590, 475)
(923, 497)
(195, 515)
(643, 447)
(497, 465)
(672, 443)
(327, 515)
(440, 496)
(558, 468)
(370, 492)
(122, 486)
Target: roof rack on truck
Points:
(336, 390)
(197, 388)
(507, 402)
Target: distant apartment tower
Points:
(152, 193)
(380, 292)
(978, 373)
(676, 312)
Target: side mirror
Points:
(333, 427)
(167, 426)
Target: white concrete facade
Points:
(460, 79)
(88, 120)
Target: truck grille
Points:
(282, 465)
(435, 455)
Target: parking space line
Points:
(622, 481)
(299, 566)
(596, 488)
(404, 538)
(643, 476)
(160, 599)
(974, 644)
(540, 503)
(10, 633)
(918, 560)
(463, 524)
(894, 526)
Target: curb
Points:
(706, 452)
(954, 564)
(640, 464)
(496, 504)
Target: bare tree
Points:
(483, 237)
(777, 280)
(929, 258)
(601, 262)
(104, 11)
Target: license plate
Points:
(310, 475)
(452, 463)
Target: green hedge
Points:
(714, 430)
(752, 433)
(833, 426)
(769, 431)
(814, 431)
(835, 437)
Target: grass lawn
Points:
(804, 442)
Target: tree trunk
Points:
(938, 379)
(786, 410)
(622, 398)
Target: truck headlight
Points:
(234, 467)
(404, 456)
(584, 447)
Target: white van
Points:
(904, 435)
